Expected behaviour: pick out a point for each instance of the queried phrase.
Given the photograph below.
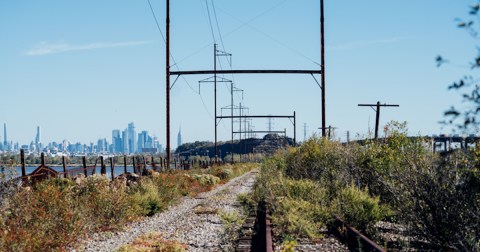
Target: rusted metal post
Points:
(154, 167)
(65, 175)
(84, 162)
(322, 64)
(22, 160)
(103, 170)
(124, 163)
(42, 159)
(112, 167)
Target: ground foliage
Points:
(52, 215)
(435, 196)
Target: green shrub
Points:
(106, 205)
(206, 179)
(300, 218)
(306, 190)
(222, 172)
(45, 217)
(357, 208)
(146, 197)
(320, 160)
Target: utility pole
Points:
(322, 64)
(377, 110)
(215, 91)
(330, 130)
(305, 132)
(167, 84)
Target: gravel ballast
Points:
(195, 222)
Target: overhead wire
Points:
(214, 41)
(223, 44)
(236, 29)
(210, 22)
(173, 59)
(247, 23)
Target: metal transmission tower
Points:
(215, 72)
(377, 110)
(270, 123)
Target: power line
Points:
(175, 63)
(218, 28)
(247, 23)
(156, 21)
(236, 29)
(210, 22)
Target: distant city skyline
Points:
(128, 143)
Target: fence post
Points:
(84, 161)
(65, 175)
(175, 161)
(22, 158)
(42, 159)
(103, 169)
(153, 164)
(144, 170)
(112, 167)
(134, 166)
(125, 163)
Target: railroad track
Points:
(261, 239)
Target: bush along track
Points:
(55, 214)
(425, 200)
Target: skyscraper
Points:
(179, 137)
(5, 135)
(117, 141)
(37, 137)
(142, 138)
(132, 138)
(125, 141)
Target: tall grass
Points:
(436, 196)
(55, 213)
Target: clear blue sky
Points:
(79, 69)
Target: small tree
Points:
(466, 120)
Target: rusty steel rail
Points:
(355, 240)
(268, 232)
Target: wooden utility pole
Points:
(377, 110)
(322, 64)
(167, 84)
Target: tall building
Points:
(37, 137)
(125, 141)
(5, 143)
(102, 145)
(179, 137)
(142, 138)
(132, 138)
(117, 141)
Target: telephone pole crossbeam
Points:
(376, 108)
